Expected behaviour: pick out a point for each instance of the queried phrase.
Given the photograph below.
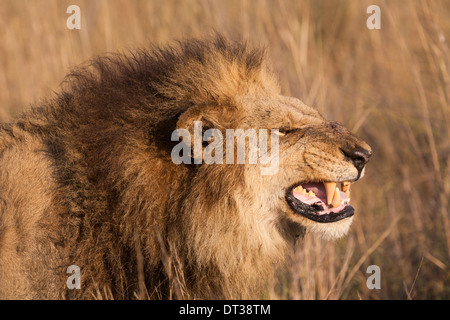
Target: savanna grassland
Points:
(390, 86)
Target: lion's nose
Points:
(358, 156)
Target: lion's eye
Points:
(284, 131)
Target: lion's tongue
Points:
(318, 189)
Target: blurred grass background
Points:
(390, 86)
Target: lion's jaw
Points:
(331, 231)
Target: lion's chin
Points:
(330, 231)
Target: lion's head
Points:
(239, 219)
(308, 187)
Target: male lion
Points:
(87, 180)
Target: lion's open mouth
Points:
(321, 202)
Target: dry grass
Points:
(390, 86)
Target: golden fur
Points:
(86, 179)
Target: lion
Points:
(87, 179)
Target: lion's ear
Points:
(191, 128)
(197, 119)
(187, 118)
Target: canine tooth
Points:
(330, 188)
(348, 193)
(345, 186)
(337, 198)
(298, 189)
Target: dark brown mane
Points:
(158, 72)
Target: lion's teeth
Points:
(330, 188)
(336, 198)
(345, 186)
(348, 194)
(300, 189)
